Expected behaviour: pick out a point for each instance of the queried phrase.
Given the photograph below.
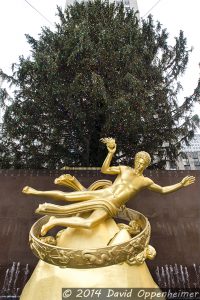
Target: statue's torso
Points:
(127, 185)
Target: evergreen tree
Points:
(100, 73)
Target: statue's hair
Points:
(145, 156)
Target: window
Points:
(194, 155)
(186, 162)
(187, 168)
(172, 165)
(196, 162)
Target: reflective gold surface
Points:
(134, 251)
(103, 199)
(48, 280)
(94, 251)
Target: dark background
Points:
(174, 218)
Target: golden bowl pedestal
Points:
(106, 256)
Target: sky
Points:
(176, 15)
(17, 17)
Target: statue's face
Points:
(140, 165)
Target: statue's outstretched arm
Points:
(171, 188)
(111, 146)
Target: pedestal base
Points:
(47, 280)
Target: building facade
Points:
(1, 111)
(190, 159)
(128, 4)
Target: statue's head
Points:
(142, 161)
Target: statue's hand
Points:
(187, 180)
(110, 143)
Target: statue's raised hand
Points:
(187, 180)
(110, 143)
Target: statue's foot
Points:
(41, 207)
(29, 190)
(46, 227)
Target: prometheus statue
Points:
(102, 203)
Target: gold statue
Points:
(102, 203)
(94, 251)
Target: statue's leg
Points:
(96, 217)
(59, 195)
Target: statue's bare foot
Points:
(46, 227)
(42, 207)
(29, 190)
